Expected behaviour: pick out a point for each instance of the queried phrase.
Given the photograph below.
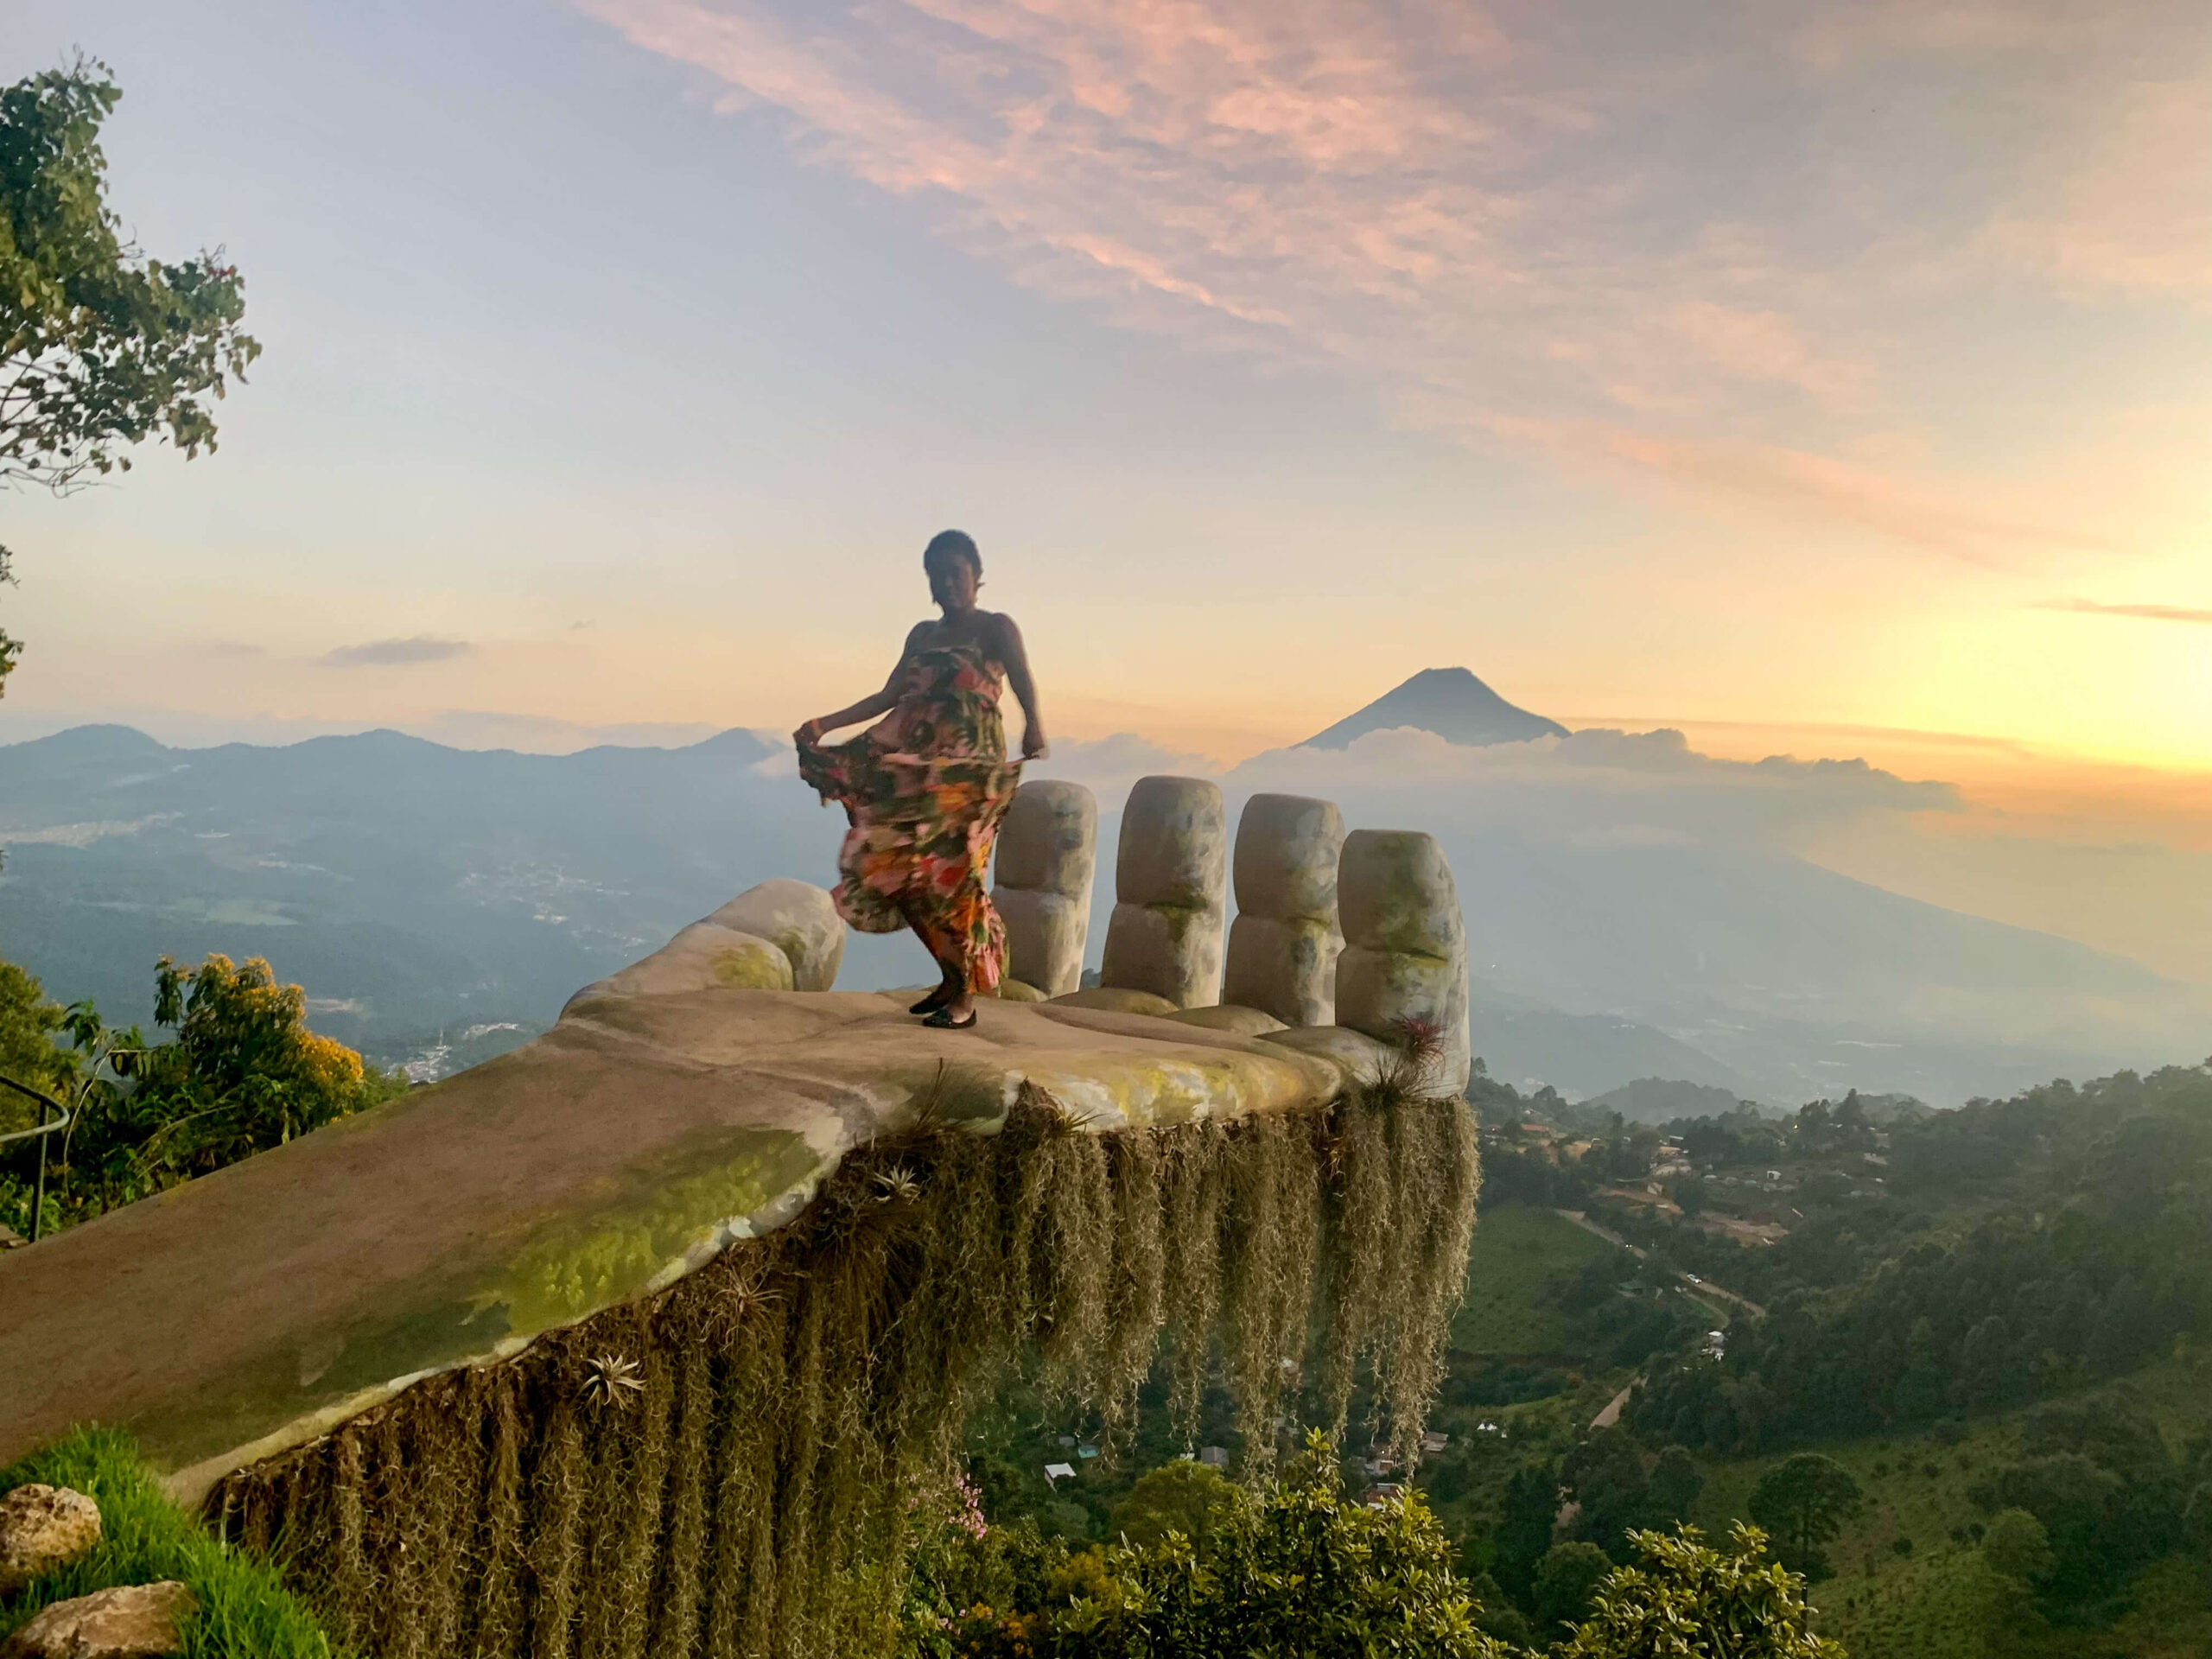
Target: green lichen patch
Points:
(576, 1266)
(755, 967)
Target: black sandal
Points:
(941, 1018)
(930, 1004)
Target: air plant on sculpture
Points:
(610, 1380)
(898, 1183)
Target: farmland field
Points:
(1516, 1249)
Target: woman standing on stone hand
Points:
(925, 787)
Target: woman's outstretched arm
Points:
(1011, 652)
(867, 707)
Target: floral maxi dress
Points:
(924, 789)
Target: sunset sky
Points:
(1829, 379)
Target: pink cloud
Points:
(2148, 613)
(1431, 203)
(1942, 519)
(2124, 207)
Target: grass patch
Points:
(244, 1612)
(1517, 1249)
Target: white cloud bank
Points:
(1594, 787)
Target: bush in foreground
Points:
(242, 1074)
(1301, 1568)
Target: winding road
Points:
(1582, 1220)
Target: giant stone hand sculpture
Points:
(1048, 848)
(1405, 956)
(1165, 934)
(1283, 945)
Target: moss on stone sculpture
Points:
(758, 966)
(711, 1469)
(586, 1261)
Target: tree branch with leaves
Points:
(101, 347)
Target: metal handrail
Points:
(46, 1103)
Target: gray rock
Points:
(1223, 1016)
(1049, 838)
(1171, 952)
(800, 919)
(1358, 1057)
(1405, 956)
(1047, 852)
(1046, 933)
(777, 936)
(138, 1621)
(1165, 933)
(1174, 847)
(1282, 948)
(42, 1529)
(1288, 968)
(1287, 849)
(1396, 893)
(703, 956)
(1113, 1000)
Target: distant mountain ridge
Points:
(1662, 1100)
(1449, 701)
(434, 900)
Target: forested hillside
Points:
(1995, 1324)
(1958, 1364)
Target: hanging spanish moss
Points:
(712, 1472)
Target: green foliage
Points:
(2096, 1476)
(244, 1611)
(1185, 1497)
(1518, 1250)
(1302, 1569)
(11, 648)
(1803, 1501)
(1566, 1580)
(1685, 1600)
(100, 346)
(244, 1058)
(2017, 1546)
(1616, 1494)
(2078, 1247)
(1524, 1528)
(1296, 1568)
(30, 1027)
(244, 1074)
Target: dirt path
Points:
(1612, 1414)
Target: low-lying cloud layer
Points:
(1593, 787)
(1629, 793)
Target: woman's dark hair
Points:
(953, 544)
